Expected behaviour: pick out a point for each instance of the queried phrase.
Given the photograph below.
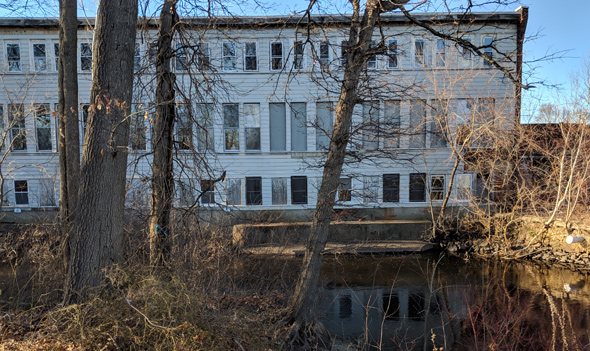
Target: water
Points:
(427, 301)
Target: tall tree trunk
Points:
(69, 138)
(304, 299)
(97, 233)
(162, 172)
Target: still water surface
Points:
(427, 301)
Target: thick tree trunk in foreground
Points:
(69, 138)
(162, 172)
(304, 300)
(97, 232)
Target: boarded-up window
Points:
(463, 186)
(390, 126)
(278, 127)
(324, 125)
(418, 123)
(371, 125)
(391, 188)
(298, 126)
(47, 193)
(370, 189)
(417, 187)
(253, 191)
(279, 191)
(299, 190)
(205, 127)
(234, 191)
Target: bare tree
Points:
(96, 240)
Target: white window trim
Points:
(457, 188)
(328, 62)
(436, 53)
(20, 57)
(256, 56)
(271, 57)
(424, 64)
(54, 56)
(443, 187)
(397, 55)
(34, 42)
(485, 50)
(235, 57)
(295, 55)
(80, 56)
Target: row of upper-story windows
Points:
(246, 56)
(281, 127)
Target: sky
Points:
(555, 28)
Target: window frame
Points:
(17, 59)
(344, 190)
(34, 44)
(252, 124)
(47, 127)
(417, 179)
(137, 128)
(298, 55)
(234, 129)
(184, 131)
(420, 60)
(324, 55)
(274, 57)
(205, 125)
(250, 55)
(487, 50)
(296, 193)
(228, 57)
(203, 56)
(24, 184)
(390, 187)
(392, 54)
(180, 57)
(207, 187)
(440, 55)
(254, 191)
(19, 124)
(437, 193)
(84, 58)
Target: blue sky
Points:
(557, 29)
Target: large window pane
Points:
(43, 127)
(417, 187)
(299, 126)
(298, 190)
(391, 188)
(278, 127)
(252, 125)
(231, 124)
(253, 191)
(324, 125)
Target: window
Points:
(153, 52)
(417, 123)
(21, 192)
(391, 124)
(488, 51)
(299, 126)
(324, 125)
(84, 120)
(463, 186)
(299, 190)
(56, 55)
(279, 191)
(39, 57)
(3, 132)
(440, 53)
(298, 50)
(43, 127)
(137, 140)
(392, 54)
(420, 53)
(345, 190)
(486, 110)
(437, 187)
(465, 54)
(253, 191)
(181, 63)
(391, 306)
(205, 129)
(391, 188)
(16, 123)
(231, 125)
(276, 56)
(417, 187)
(184, 127)
(252, 126)
(228, 57)
(278, 127)
(203, 56)
(371, 125)
(207, 192)
(324, 55)
(85, 56)
(13, 57)
(250, 58)
(186, 198)
(47, 193)
(370, 189)
(464, 116)
(438, 124)
(345, 306)
(234, 191)
(343, 53)
(372, 59)
(137, 58)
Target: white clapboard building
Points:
(255, 99)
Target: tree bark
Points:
(304, 299)
(97, 235)
(162, 170)
(69, 138)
